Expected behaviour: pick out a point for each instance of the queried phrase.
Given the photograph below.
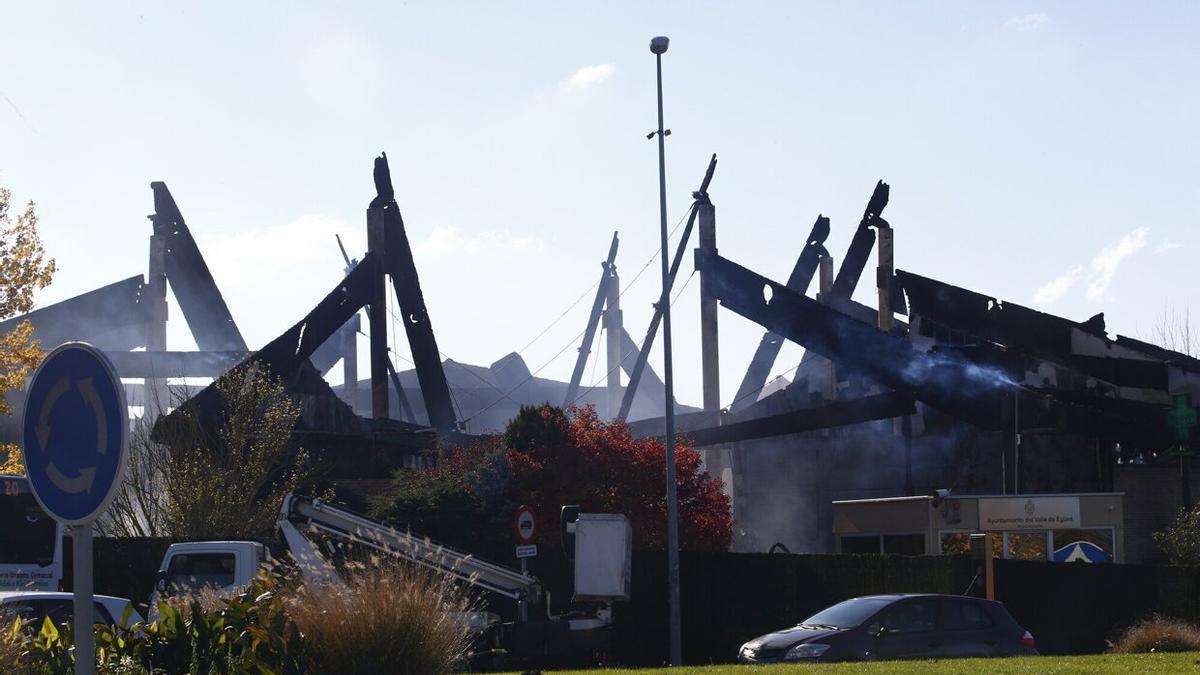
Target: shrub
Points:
(13, 641)
(1159, 634)
(1181, 541)
(546, 459)
(248, 634)
(192, 477)
(387, 619)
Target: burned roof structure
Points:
(326, 422)
(970, 392)
(368, 427)
(394, 433)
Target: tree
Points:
(1181, 541)
(548, 458)
(1173, 330)
(23, 270)
(198, 484)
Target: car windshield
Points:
(29, 534)
(59, 610)
(847, 614)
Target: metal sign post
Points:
(74, 441)
(525, 529)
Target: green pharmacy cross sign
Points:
(1182, 419)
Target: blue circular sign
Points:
(74, 433)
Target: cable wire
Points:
(580, 334)
(625, 358)
(764, 385)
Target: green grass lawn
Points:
(1187, 662)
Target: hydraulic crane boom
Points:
(298, 511)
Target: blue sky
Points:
(1044, 153)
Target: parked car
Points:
(60, 607)
(897, 626)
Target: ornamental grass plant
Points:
(1158, 634)
(387, 618)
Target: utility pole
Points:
(658, 46)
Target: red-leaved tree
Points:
(548, 458)
(581, 459)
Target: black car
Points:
(898, 626)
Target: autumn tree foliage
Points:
(195, 482)
(548, 458)
(24, 269)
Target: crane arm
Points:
(298, 511)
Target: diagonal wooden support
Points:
(639, 366)
(768, 348)
(589, 332)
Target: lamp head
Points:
(659, 44)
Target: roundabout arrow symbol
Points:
(87, 475)
(62, 386)
(81, 483)
(88, 391)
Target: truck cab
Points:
(224, 567)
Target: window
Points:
(916, 616)
(193, 571)
(904, 544)
(964, 615)
(1019, 545)
(860, 544)
(60, 611)
(956, 543)
(848, 613)
(29, 534)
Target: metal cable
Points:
(580, 333)
(621, 363)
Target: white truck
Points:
(602, 552)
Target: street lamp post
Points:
(658, 46)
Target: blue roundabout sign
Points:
(75, 433)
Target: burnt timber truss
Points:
(1010, 370)
(288, 355)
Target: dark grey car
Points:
(899, 626)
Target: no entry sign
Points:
(525, 525)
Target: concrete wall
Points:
(1152, 502)
(788, 482)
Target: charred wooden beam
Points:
(614, 329)
(589, 331)
(970, 384)
(649, 383)
(287, 356)
(837, 414)
(969, 393)
(1029, 331)
(768, 348)
(860, 246)
(377, 315)
(167, 364)
(400, 266)
(710, 353)
(203, 307)
(635, 376)
(110, 317)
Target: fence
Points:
(1074, 608)
(123, 567)
(728, 598)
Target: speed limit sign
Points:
(525, 525)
